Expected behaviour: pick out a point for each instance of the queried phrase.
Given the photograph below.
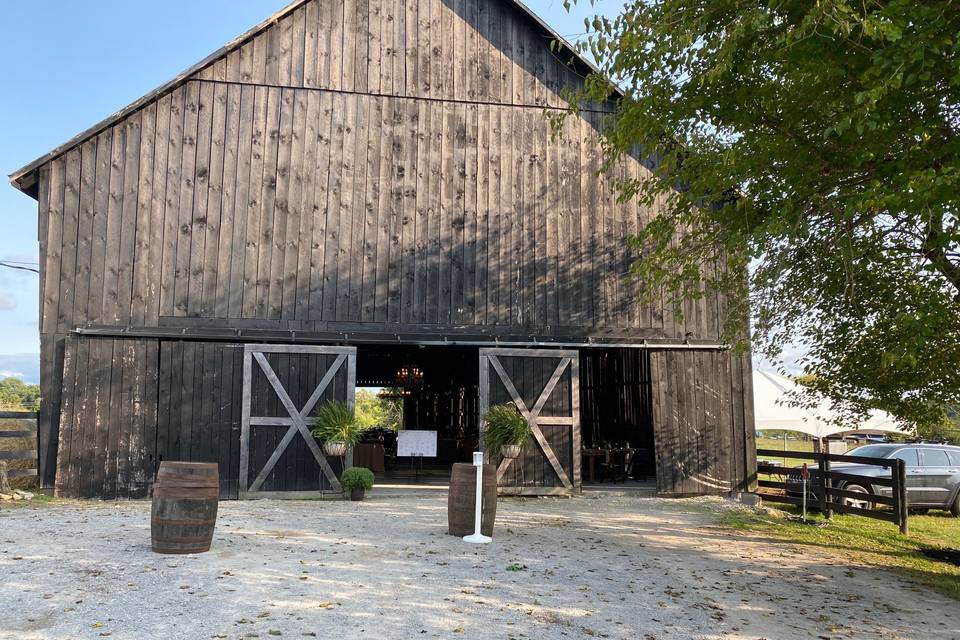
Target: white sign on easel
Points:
(416, 443)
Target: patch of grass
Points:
(872, 542)
(792, 445)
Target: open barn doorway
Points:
(417, 389)
(617, 419)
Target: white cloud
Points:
(7, 302)
(11, 374)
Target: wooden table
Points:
(590, 455)
(369, 455)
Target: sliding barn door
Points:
(703, 422)
(282, 386)
(544, 385)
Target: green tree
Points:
(372, 411)
(17, 395)
(814, 146)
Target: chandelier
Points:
(409, 376)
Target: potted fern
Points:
(358, 480)
(506, 430)
(335, 425)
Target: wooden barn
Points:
(364, 193)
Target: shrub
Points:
(504, 426)
(357, 478)
(334, 421)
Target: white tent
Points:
(772, 411)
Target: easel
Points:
(416, 463)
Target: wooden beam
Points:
(245, 424)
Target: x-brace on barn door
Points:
(544, 384)
(344, 361)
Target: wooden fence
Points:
(828, 498)
(26, 449)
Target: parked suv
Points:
(932, 474)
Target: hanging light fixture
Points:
(409, 376)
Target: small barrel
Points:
(184, 513)
(461, 499)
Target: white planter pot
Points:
(336, 449)
(510, 450)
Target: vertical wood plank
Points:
(371, 229)
(145, 235)
(308, 205)
(86, 215)
(285, 218)
(321, 181)
(407, 184)
(345, 213)
(188, 177)
(435, 256)
(422, 240)
(196, 225)
(393, 109)
(330, 270)
(268, 202)
(470, 216)
(355, 249)
(68, 251)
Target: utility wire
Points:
(14, 266)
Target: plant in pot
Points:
(335, 425)
(506, 430)
(358, 480)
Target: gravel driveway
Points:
(611, 567)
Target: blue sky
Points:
(70, 65)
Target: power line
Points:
(9, 265)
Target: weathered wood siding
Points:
(703, 422)
(130, 404)
(357, 166)
(346, 212)
(465, 50)
(108, 422)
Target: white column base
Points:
(477, 538)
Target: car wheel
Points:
(955, 509)
(853, 502)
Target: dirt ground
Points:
(610, 567)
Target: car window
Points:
(954, 458)
(909, 456)
(935, 458)
(871, 451)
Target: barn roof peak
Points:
(24, 179)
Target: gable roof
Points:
(24, 179)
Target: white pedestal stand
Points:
(476, 537)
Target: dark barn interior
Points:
(438, 388)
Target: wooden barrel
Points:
(184, 513)
(461, 499)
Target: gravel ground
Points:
(611, 567)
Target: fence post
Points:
(901, 475)
(827, 485)
(821, 460)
